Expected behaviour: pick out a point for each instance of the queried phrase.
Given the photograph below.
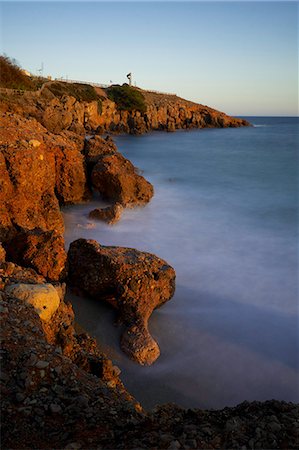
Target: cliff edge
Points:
(80, 108)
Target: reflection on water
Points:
(224, 216)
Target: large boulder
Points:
(117, 180)
(133, 282)
(41, 250)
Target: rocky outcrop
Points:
(98, 146)
(163, 112)
(41, 250)
(133, 282)
(77, 397)
(53, 377)
(39, 171)
(111, 214)
(116, 179)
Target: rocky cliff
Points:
(57, 389)
(164, 112)
(58, 111)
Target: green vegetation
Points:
(126, 98)
(81, 92)
(12, 77)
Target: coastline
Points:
(46, 347)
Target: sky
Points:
(238, 57)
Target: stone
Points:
(111, 214)
(97, 146)
(73, 446)
(133, 282)
(41, 250)
(117, 180)
(43, 297)
(35, 179)
(34, 143)
(41, 364)
(55, 409)
(2, 253)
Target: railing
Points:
(159, 92)
(66, 80)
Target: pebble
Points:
(55, 409)
(274, 427)
(81, 401)
(174, 445)
(20, 397)
(73, 446)
(41, 364)
(3, 309)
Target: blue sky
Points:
(239, 57)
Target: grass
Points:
(12, 77)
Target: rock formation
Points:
(57, 389)
(116, 179)
(111, 214)
(38, 171)
(41, 250)
(163, 112)
(98, 146)
(133, 282)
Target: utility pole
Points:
(41, 70)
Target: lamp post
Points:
(129, 76)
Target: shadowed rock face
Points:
(133, 282)
(42, 250)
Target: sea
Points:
(225, 216)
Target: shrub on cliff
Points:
(127, 98)
(81, 92)
(12, 77)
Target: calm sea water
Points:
(224, 215)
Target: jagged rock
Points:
(115, 178)
(111, 214)
(12, 273)
(71, 183)
(133, 282)
(2, 253)
(164, 112)
(57, 115)
(35, 178)
(43, 297)
(27, 184)
(41, 250)
(98, 146)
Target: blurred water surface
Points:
(224, 215)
